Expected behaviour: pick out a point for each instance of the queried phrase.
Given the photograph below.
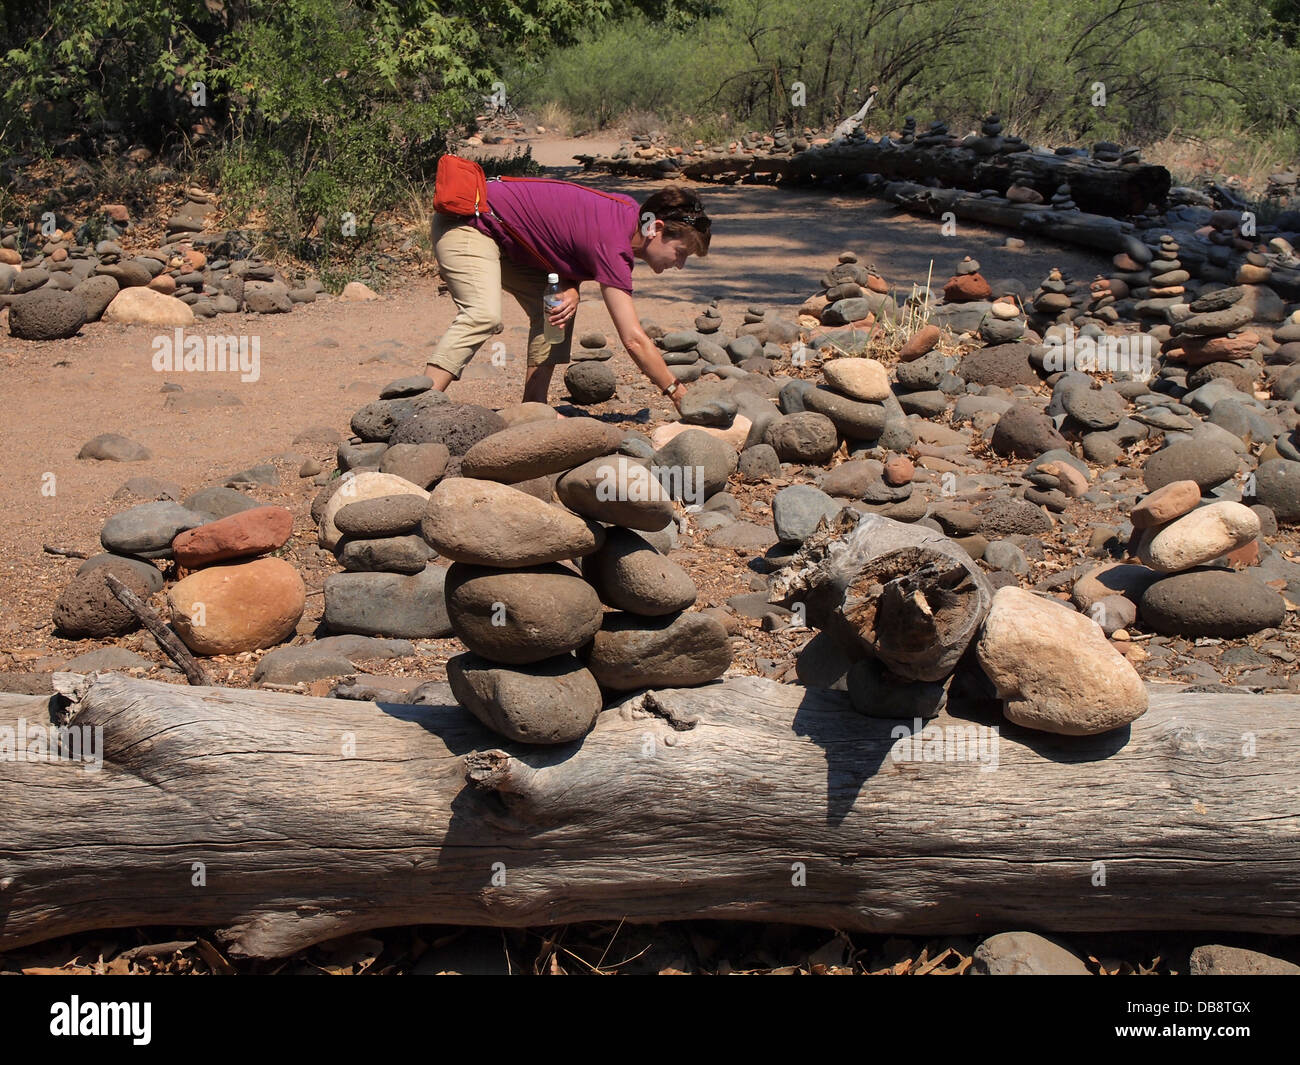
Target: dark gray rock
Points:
(1210, 602)
(48, 314)
(148, 530)
(796, 510)
(388, 604)
(758, 462)
(806, 438)
(457, 426)
(147, 572)
(1007, 517)
(1206, 463)
(590, 382)
(221, 502)
(1277, 486)
(523, 615)
(876, 692)
(679, 650)
(387, 554)
(548, 702)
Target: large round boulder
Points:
(223, 610)
(47, 314)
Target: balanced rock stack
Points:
(522, 608)
(1052, 300)
(936, 136)
(592, 347)
(851, 294)
(1188, 547)
(393, 585)
(1106, 152)
(908, 136)
(1063, 198)
(856, 397)
(1213, 340)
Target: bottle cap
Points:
(552, 279)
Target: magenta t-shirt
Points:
(583, 234)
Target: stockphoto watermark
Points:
(1133, 355)
(631, 482)
(945, 743)
(31, 741)
(179, 353)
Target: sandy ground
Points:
(323, 361)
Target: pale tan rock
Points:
(355, 291)
(223, 610)
(139, 305)
(734, 435)
(365, 485)
(861, 379)
(1073, 483)
(1054, 669)
(1202, 535)
(522, 413)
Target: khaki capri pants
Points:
(476, 273)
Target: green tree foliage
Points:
(316, 107)
(1222, 64)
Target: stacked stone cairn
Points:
(522, 607)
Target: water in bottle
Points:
(554, 333)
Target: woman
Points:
(536, 226)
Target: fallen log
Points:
(287, 820)
(1098, 188)
(1099, 232)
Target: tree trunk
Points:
(285, 820)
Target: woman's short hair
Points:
(683, 217)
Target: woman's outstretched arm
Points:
(622, 312)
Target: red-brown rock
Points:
(963, 288)
(919, 343)
(242, 535)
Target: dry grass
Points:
(556, 118)
(1234, 155)
(637, 122)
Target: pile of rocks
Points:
(522, 609)
(227, 600)
(53, 289)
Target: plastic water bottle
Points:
(552, 300)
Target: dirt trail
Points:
(323, 361)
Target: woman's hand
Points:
(568, 307)
(677, 395)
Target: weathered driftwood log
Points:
(1100, 188)
(1100, 232)
(285, 820)
(901, 593)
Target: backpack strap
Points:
(515, 235)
